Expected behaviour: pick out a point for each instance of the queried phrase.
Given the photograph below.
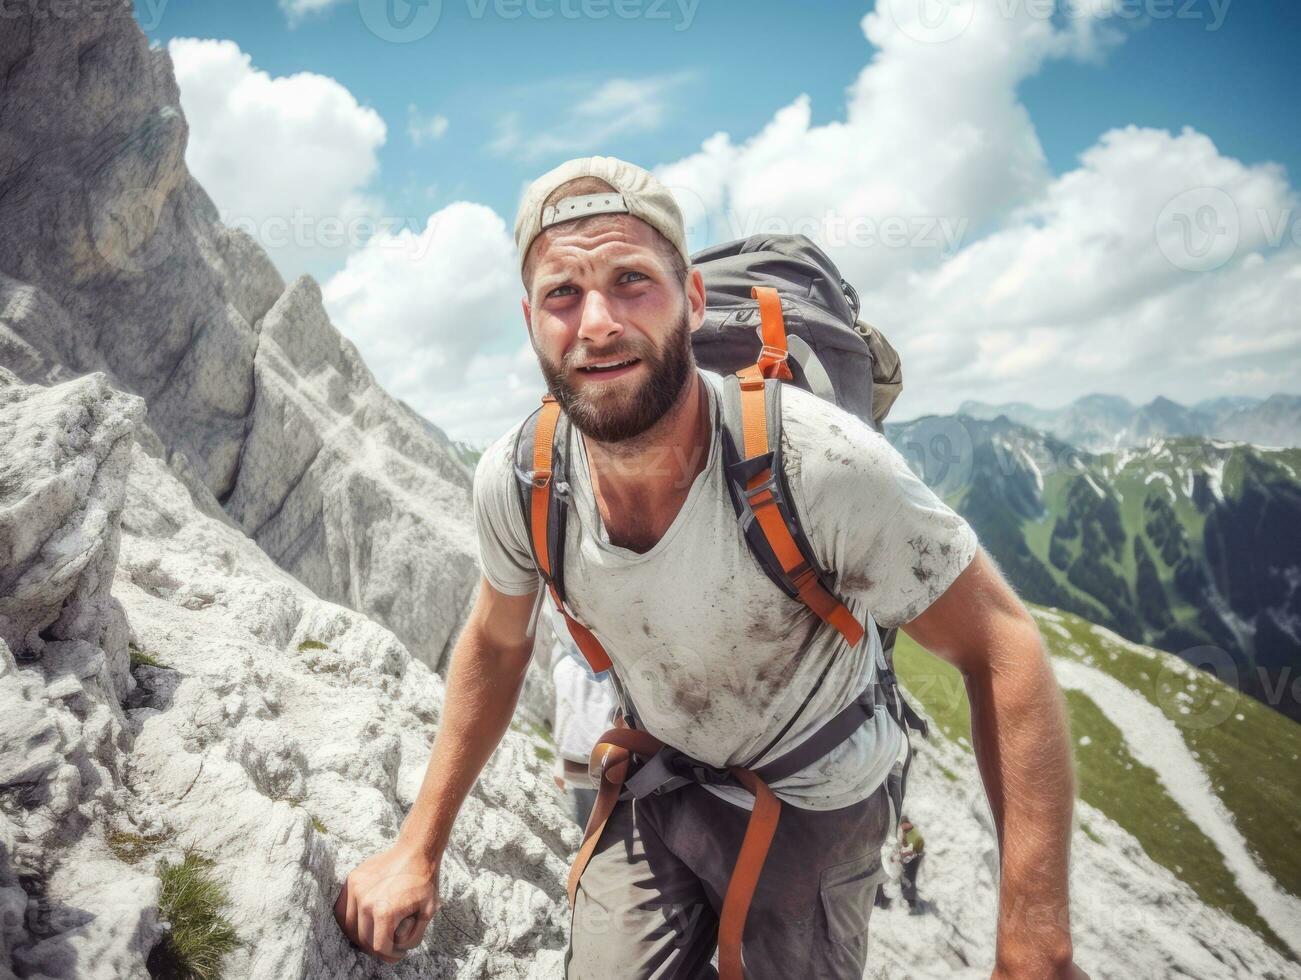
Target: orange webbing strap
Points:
(586, 641)
(610, 756)
(754, 429)
(613, 755)
(540, 518)
(540, 509)
(772, 359)
(745, 874)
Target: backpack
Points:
(777, 312)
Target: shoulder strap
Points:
(757, 482)
(540, 472)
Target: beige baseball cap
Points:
(636, 192)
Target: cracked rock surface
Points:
(283, 736)
(113, 260)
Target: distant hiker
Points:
(730, 545)
(912, 853)
(585, 706)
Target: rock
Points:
(283, 737)
(113, 260)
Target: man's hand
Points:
(387, 902)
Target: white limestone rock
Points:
(113, 260)
(284, 739)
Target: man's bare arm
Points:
(400, 886)
(1020, 734)
(484, 679)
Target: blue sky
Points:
(1237, 82)
(482, 89)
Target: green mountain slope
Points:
(1190, 545)
(1180, 728)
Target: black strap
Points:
(839, 728)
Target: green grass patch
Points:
(937, 686)
(544, 753)
(130, 848)
(1112, 780)
(195, 904)
(318, 826)
(139, 658)
(1253, 761)
(311, 645)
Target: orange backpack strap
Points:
(752, 455)
(540, 471)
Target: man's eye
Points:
(562, 291)
(632, 276)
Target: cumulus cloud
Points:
(422, 129)
(289, 159)
(436, 316)
(296, 11)
(1158, 265)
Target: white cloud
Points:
(296, 11)
(422, 129)
(586, 120)
(287, 158)
(436, 315)
(1153, 267)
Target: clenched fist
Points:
(387, 903)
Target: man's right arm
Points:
(483, 683)
(400, 885)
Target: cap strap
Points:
(572, 208)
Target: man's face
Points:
(611, 324)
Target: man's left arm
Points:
(1020, 734)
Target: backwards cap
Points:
(636, 192)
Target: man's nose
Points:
(597, 325)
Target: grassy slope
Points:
(1249, 752)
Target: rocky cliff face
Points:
(164, 687)
(112, 259)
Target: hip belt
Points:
(631, 763)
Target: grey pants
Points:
(649, 900)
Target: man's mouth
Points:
(612, 366)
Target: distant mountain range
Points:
(1188, 544)
(1102, 423)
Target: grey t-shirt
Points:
(713, 656)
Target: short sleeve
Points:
(504, 554)
(885, 534)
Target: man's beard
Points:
(621, 411)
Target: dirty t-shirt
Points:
(713, 656)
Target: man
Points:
(710, 656)
(585, 704)
(913, 850)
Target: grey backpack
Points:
(833, 353)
